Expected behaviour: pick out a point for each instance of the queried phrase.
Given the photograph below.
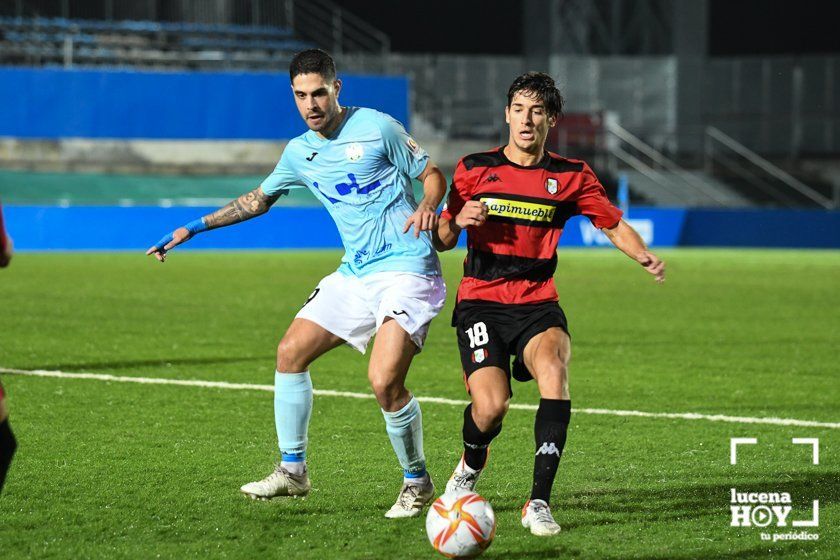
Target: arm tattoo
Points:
(247, 206)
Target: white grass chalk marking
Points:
(435, 400)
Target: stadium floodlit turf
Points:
(124, 470)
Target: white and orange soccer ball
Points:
(461, 524)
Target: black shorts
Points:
(489, 333)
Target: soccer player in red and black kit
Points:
(7, 438)
(514, 201)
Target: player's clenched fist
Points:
(474, 213)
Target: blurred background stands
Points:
(644, 98)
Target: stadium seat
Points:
(43, 41)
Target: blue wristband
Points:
(196, 226)
(163, 241)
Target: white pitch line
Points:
(435, 400)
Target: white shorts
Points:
(354, 308)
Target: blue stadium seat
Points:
(143, 43)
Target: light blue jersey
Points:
(362, 174)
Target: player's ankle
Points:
(295, 463)
(420, 478)
(475, 459)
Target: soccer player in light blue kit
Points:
(359, 163)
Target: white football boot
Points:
(536, 515)
(279, 483)
(464, 478)
(413, 497)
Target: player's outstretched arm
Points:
(631, 244)
(247, 206)
(425, 218)
(474, 213)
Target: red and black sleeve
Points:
(459, 192)
(593, 203)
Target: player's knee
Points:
(489, 413)
(289, 357)
(386, 389)
(382, 387)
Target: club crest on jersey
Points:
(415, 148)
(551, 185)
(354, 151)
(479, 356)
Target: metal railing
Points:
(322, 22)
(640, 166)
(70, 42)
(333, 27)
(658, 162)
(773, 172)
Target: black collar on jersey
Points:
(542, 164)
(497, 158)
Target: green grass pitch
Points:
(122, 470)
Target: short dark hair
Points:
(541, 86)
(312, 61)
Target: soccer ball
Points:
(461, 524)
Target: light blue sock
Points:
(405, 428)
(292, 409)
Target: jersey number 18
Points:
(478, 335)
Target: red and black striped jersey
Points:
(512, 257)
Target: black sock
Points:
(550, 434)
(7, 449)
(476, 442)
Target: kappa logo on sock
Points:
(548, 449)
